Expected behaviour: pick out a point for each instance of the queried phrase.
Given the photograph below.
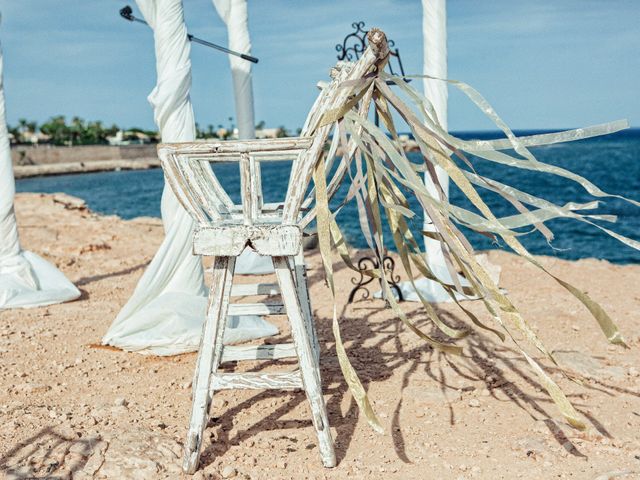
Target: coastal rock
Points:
(474, 402)
(141, 455)
(587, 365)
(493, 269)
(229, 472)
(69, 202)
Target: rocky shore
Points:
(38, 160)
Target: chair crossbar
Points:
(224, 230)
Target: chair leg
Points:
(309, 367)
(302, 285)
(209, 356)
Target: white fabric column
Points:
(434, 31)
(26, 280)
(164, 316)
(235, 15)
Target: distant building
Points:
(28, 136)
(129, 138)
(267, 133)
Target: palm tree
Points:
(282, 132)
(57, 128)
(22, 129)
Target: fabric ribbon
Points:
(389, 176)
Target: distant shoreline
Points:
(40, 160)
(64, 168)
(46, 160)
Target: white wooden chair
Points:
(224, 229)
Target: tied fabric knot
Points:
(170, 97)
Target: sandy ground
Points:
(69, 409)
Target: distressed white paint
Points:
(236, 353)
(264, 239)
(258, 381)
(249, 289)
(209, 356)
(224, 231)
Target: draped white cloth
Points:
(235, 15)
(164, 316)
(26, 280)
(434, 34)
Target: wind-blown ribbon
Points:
(381, 179)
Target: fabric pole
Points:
(164, 316)
(434, 34)
(434, 31)
(235, 15)
(26, 280)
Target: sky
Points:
(541, 63)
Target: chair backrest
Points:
(188, 171)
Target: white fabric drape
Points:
(164, 316)
(434, 34)
(235, 15)
(26, 280)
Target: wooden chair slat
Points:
(274, 229)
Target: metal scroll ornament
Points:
(350, 49)
(373, 263)
(354, 45)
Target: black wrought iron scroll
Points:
(354, 44)
(350, 49)
(373, 263)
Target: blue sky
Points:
(541, 63)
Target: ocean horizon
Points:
(612, 162)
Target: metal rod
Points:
(127, 13)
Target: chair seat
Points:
(231, 239)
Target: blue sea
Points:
(612, 162)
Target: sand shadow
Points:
(377, 352)
(47, 454)
(96, 278)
